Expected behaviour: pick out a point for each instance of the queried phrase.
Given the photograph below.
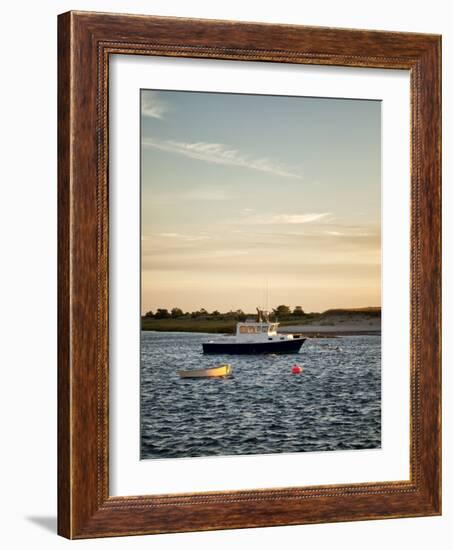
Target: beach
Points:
(338, 325)
(338, 322)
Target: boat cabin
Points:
(254, 328)
(261, 330)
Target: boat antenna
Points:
(267, 293)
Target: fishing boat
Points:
(258, 336)
(220, 371)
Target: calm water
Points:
(334, 404)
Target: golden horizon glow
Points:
(259, 201)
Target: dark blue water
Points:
(335, 404)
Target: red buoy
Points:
(296, 369)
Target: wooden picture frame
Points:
(85, 42)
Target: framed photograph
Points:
(249, 275)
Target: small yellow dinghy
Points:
(221, 370)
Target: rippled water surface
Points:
(334, 404)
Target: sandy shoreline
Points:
(337, 327)
(328, 332)
(325, 325)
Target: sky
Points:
(254, 200)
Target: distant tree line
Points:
(280, 312)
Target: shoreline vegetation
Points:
(330, 323)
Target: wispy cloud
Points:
(218, 153)
(153, 106)
(298, 218)
(184, 237)
(352, 234)
(286, 219)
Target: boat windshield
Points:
(248, 329)
(261, 328)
